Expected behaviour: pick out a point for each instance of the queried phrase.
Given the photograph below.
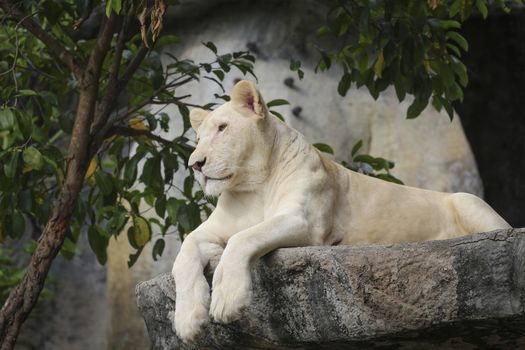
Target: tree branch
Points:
(96, 59)
(112, 92)
(133, 66)
(124, 131)
(85, 15)
(54, 46)
(25, 295)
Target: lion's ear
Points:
(246, 96)
(197, 116)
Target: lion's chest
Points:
(240, 211)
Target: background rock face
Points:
(462, 293)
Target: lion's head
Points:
(233, 142)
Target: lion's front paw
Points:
(231, 293)
(190, 320)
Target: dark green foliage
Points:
(134, 168)
(364, 163)
(372, 166)
(415, 46)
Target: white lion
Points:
(276, 190)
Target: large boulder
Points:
(461, 293)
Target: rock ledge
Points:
(464, 293)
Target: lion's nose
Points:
(199, 164)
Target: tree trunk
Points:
(22, 299)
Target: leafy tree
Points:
(415, 46)
(74, 125)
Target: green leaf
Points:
(26, 92)
(160, 206)
(278, 115)
(459, 39)
(33, 158)
(322, 31)
(480, 4)
(134, 257)
(109, 6)
(446, 74)
(447, 24)
(68, 249)
(188, 186)
(167, 40)
(171, 162)
(98, 243)
(104, 182)
(11, 166)
(323, 148)
(324, 63)
(119, 218)
(188, 216)
(400, 87)
(172, 207)
(7, 119)
(295, 65)
(415, 109)
(389, 178)
(151, 175)
(211, 46)
(142, 233)
(115, 5)
(277, 102)
(344, 84)
(300, 73)
(219, 74)
(379, 65)
(25, 123)
(130, 169)
(454, 49)
(158, 248)
(461, 71)
(447, 105)
(365, 158)
(454, 8)
(357, 147)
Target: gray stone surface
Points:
(464, 293)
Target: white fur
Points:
(283, 193)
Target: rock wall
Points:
(463, 293)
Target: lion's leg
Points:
(232, 283)
(474, 215)
(192, 289)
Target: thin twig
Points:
(85, 15)
(125, 131)
(112, 92)
(133, 66)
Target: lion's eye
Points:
(222, 127)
